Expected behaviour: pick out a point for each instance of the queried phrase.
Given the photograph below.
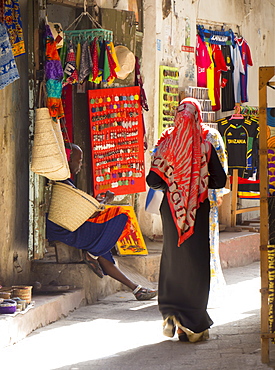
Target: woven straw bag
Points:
(64, 199)
(48, 153)
(49, 157)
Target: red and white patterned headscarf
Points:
(180, 159)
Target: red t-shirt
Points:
(203, 61)
(220, 65)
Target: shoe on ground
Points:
(169, 327)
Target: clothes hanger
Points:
(78, 19)
(237, 114)
(83, 35)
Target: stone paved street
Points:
(120, 333)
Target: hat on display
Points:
(126, 60)
(57, 33)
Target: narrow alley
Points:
(121, 333)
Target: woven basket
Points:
(23, 291)
(71, 207)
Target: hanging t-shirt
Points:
(219, 66)
(252, 125)
(236, 145)
(210, 76)
(228, 99)
(239, 136)
(238, 70)
(216, 37)
(203, 61)
(247, 61)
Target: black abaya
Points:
(184, 278)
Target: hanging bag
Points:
(48, 153)
(65, 198)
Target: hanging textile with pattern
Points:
(53, 76)
(13, 23)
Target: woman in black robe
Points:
(184, 166)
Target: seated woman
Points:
(97, 236)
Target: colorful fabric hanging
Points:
(102, 55)
(63, 54)
(111, 65)
(53, 70)
(85, 62)
(106, 70)
(13, 22)
(67, 101)
(54, 88)
(54, 76)
(113, 62)
(95, 60)
(114, 56)
(70, 67)
(53, 67)
(98, 79)
(8, 69)
(78, 56)
(55, 107)
(94, 55)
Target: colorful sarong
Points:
(13, 22)
(109, 213)
(8, 69)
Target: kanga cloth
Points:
(13, 22)
(70, 66)
(55, 108)
(8, 68)
(53, 67)
(54, 101)
(54, 76)
(62, 54)
(98, 235)
(85, 62)
(109, 213)
(94, 55)
(115, 67)
(78, 56)
(181, 161)
(54, 88)
(111, 64)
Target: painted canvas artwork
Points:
(133, 244)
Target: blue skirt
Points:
(96, 238)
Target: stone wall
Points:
(14, 164)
